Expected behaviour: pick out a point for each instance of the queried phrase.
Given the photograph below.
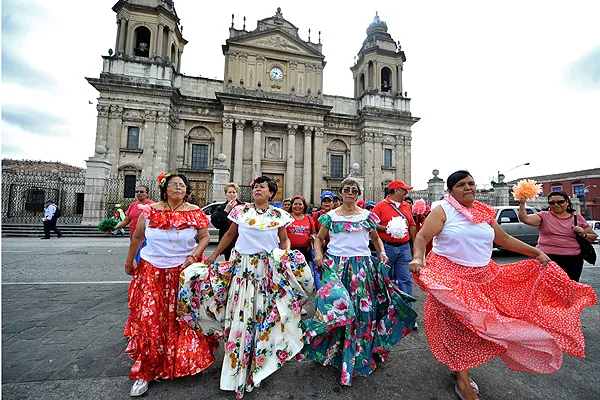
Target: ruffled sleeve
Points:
(167, 219)
(371, 221)
(272, 218)
(325, 220)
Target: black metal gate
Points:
(24, 193)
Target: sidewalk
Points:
(64, 341)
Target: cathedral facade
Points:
(268, 115)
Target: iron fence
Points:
(120, 189)
(24, 193)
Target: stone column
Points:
(377, 157)
(307, 167)
(239, 150)
(407, 158)
(96, 176)
(114, 133)
(220, 178)
(159, 46)
(293, 76)
(179, 54)
(257, 148)
(118, 35)
(122, 36)
(502, 191)
(318, 165)
(227, 140)
(435, 187)
(102, 125)
(368, 160)
(290, 177)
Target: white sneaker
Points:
(303, 311)
(139, 387)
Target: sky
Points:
(495, 84)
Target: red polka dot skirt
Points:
(526, 314)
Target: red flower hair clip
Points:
(162, 178)
(252, 183)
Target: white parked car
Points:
(596, 227)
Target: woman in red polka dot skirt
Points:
(527, 312)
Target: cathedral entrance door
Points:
(279, 179)
(199, 193)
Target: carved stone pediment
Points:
(276, 39)
(132, 115)
(199, 133)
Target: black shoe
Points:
(59, 235)
(44, 238)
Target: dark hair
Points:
(286, 200)
(145, 187)
(350, 182)
(303, 202)
(565, 196)
(337, 197)
(455, 177)
(163, 188)
(270, 182)
(406, 198)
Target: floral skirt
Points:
(254, 301)
(359, 313)
(525, 313)
(161, 346)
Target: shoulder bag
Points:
(587, 250)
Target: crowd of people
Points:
(362, 272)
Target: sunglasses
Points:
(140, 191)
(347, 190)
(559, 202)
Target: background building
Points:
(268, 115)
(584, 185)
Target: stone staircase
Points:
(22, 230)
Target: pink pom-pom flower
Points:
(526, 190)
(419, 207)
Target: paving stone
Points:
(16, 326)
(12, 371)
(35, 332)
(83, 367)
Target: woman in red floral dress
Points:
(526, 313)
(161, 346)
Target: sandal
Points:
(460, 396)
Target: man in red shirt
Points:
(397, 249)
(133, 213)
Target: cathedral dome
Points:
(377, 25)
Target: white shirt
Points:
(49, 211)
(252, 240)
(349, 244)
(463, 241)
(168, 248)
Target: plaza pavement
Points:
(64, 308)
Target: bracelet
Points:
(194, 258)
(585, 234)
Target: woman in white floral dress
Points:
(256, 298)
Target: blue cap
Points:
(370, 204)
(327, 194)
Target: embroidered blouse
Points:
(349, 235)
(258, 231)
(171, 235)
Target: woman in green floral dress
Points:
(359, 313)
(253, 301)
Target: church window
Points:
(129, 187)
(133, 137)
(199, 156)
(386, 79)
(361, 84)
(387, 157)
(337, 166)
(142, 41)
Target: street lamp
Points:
(585, 192)
(499, 174)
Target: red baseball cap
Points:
(396, 184)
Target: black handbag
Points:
(587, 250)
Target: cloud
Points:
(16, 71)
(34, 121)
(585, 72)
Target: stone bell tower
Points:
(150, 30)
(380, 63)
